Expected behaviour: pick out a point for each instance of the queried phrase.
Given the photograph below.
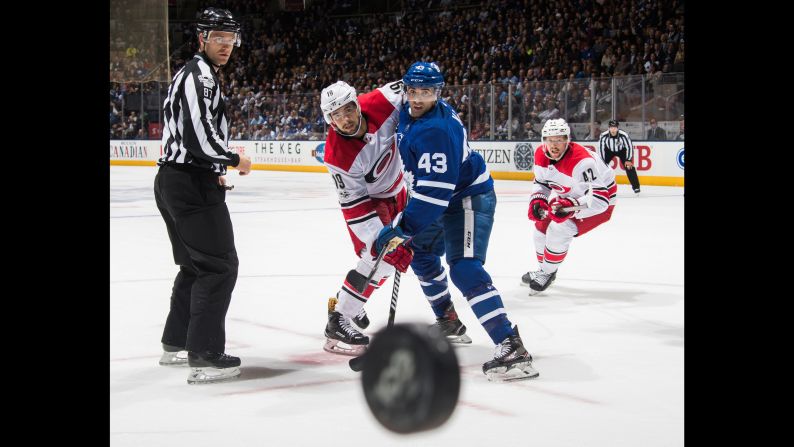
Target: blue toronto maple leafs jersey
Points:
(438, 164)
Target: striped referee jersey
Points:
(619, 142)
(196, 130)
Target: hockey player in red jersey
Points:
(584, 196)
(363, 160)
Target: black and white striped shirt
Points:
(619, 142)
(196, 130)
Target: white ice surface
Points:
(607, 337)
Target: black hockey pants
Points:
(193, 206)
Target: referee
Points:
(190, 192)
(615, 142)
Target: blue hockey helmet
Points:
(424, 75)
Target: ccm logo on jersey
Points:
(379, 167)
(560, 189)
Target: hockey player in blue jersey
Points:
(451, 210)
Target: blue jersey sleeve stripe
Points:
(435, 193)
(435, 184)
(482, 178)
(444, 203)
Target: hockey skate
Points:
(451, 327)
(212, 367)
(511, 361)
(538, 281)
(173, 356)
(342, 338)
(361, 320)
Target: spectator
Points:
(656, 132)
(550, 112)
(595, 131)
(479, 130)
(529, 132)
(583, 108)
(282, 66)
(681, 130)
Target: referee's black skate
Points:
(511, 361)
(342, 337)
(173, 356)
(451, 327)
(211, 367)
(538, 281)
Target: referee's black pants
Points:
(198, 223)
(630, 173)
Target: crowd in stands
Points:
(540, 59)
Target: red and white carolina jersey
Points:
(368, 169)
(571, 175)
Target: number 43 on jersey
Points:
(439, 163)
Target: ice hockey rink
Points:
(607, 336)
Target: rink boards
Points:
(658, 163)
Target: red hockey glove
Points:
(557, 204)
(538, 208)
(400, 257)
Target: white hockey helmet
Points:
(556, 127)
(335, 96)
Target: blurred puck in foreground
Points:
(411, 378)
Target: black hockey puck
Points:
(411, 378)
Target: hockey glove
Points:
(557, 203)
(538, 208)
(399, 256)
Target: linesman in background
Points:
(616, 143)
(190, 191)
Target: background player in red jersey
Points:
(580, 180)
(362, 158)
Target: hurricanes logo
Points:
(319, 152)
(560, 189)
(523, 156)
(679, 159)
(379, 167)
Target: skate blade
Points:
(212, 375)
(174, 358)
(337, 347)
(519, 371)
(533, 292)
(461, 339)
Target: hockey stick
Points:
(357, 363)
(386, 248)
(383, 252)
(588, 199)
